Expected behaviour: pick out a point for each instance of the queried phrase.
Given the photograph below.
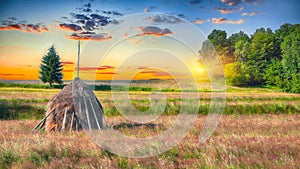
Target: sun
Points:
(199, 69)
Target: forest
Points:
(265, 59)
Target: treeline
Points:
(266, 58)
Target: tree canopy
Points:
(265, 58)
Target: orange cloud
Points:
(231, 2)
(224, 20)
(35, 28)
(67, 63)
(228, 10)
(105, 67)
(199, 21)
(67, 70)
(106, 73)
(69, 27)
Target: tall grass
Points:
(20, 109)
(246, 141)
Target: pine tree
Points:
(51, 68)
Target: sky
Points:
(149, 39)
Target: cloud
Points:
(16, 27)
(12, 23)
(154, 73)
(34, 28)
(100, 19)
(149, 9)
(85, 8)
(231, 2)
(181, 15)
(85, 26)
(88, 5)
(64, 17)
(168, 19)
(80, 16)
(115, 13)
(106, 73)
(226, 10)
(237, 2)
(249, 14)
(224, 20)
(64, 70)
(67, 63)
(195, 2)
(105, 67)
(87, 33)
(70, 27)
(10, 74)
(95, 37)
(199, 21)
(143, 67)
(153, 30)
(255, 2)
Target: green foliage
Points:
(241, 49)
(236, 74)
(51, 68)
(18, 110)
(222, 45)
(7, 158)
(266, 59)
(123, 162)
(260, 54)
(273, 74)
(291, 61)
(35, 86)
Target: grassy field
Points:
(260, 128)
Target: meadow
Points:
(259, 129)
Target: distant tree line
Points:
(266, 58)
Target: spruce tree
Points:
(51, 68)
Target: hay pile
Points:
(75, 107)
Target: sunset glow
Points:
(28, 29)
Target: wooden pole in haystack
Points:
(78, 59)
(69, 109)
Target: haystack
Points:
(75, 107)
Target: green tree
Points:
(291, 61)
(285, 30)
(51, 68)
(238, 36)
(261, 52)
(218, 39)
(241, 49)
(207, 49)
(274, 73)
(236, 74)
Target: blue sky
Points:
(28, 28)
(266, 13)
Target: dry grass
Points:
(256, 141)
(240, 141)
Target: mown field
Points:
(260, 128)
